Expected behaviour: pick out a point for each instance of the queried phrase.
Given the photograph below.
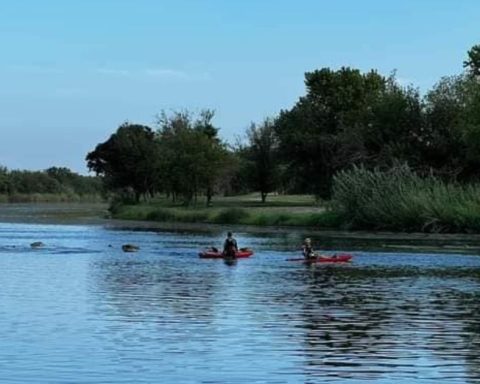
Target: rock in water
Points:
(130, 248)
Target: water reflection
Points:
(151, 290)
(230, 261)
(381, 323)
(386, 328)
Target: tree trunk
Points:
(264, 196)
(209, 195)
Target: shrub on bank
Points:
(241, 216)
(160, 215)
(231, 216)
(399, 199)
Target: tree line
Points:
(346, 117)
(16, 185)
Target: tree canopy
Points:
(127, 160)
(193, 158)
(346, 117)
(473, 61)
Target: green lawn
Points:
(279, 210)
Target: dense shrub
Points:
(231, 216)
(399, 199)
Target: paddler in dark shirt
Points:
(230, 247)
(307, 249)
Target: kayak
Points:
(339, 258)
(210, 254)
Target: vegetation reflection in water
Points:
(163, 312)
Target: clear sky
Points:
(72, 71)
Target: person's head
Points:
(229, 234)
(308, 241)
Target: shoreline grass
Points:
(396, 200)
(239, 216)
(400, 200)
(290, 210)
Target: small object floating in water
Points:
(337, 258)
(130, 248)
(213, 253)
(37, 244)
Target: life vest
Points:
(229, 243)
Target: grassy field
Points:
(279, 210)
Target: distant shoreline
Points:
(54, 213)
(95, 215)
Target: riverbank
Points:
(382, 241)
(54, 213)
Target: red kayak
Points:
(339, 258)
(210, 254)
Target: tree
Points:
(323, 132)
(217, 160)
(193, 157)
(4, 180)
(127, 160)
(27, 182)
(262, 156)
(473, 62)
(75, 183)
(453, 122)
(395, 128)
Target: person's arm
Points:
(236, 246)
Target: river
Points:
(79, 310)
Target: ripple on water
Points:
(81, 308)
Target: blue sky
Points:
(72, 71)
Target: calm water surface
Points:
(80, 310)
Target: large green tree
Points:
(262, 157)
(128, 160)
(394, 130)
(193, 158)
(322, 133)
(453, 122)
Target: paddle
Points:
(340, 258)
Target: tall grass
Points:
(399, 199)
(230, 215)
(139, 212)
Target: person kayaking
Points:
(307, 249)
(230, 245)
